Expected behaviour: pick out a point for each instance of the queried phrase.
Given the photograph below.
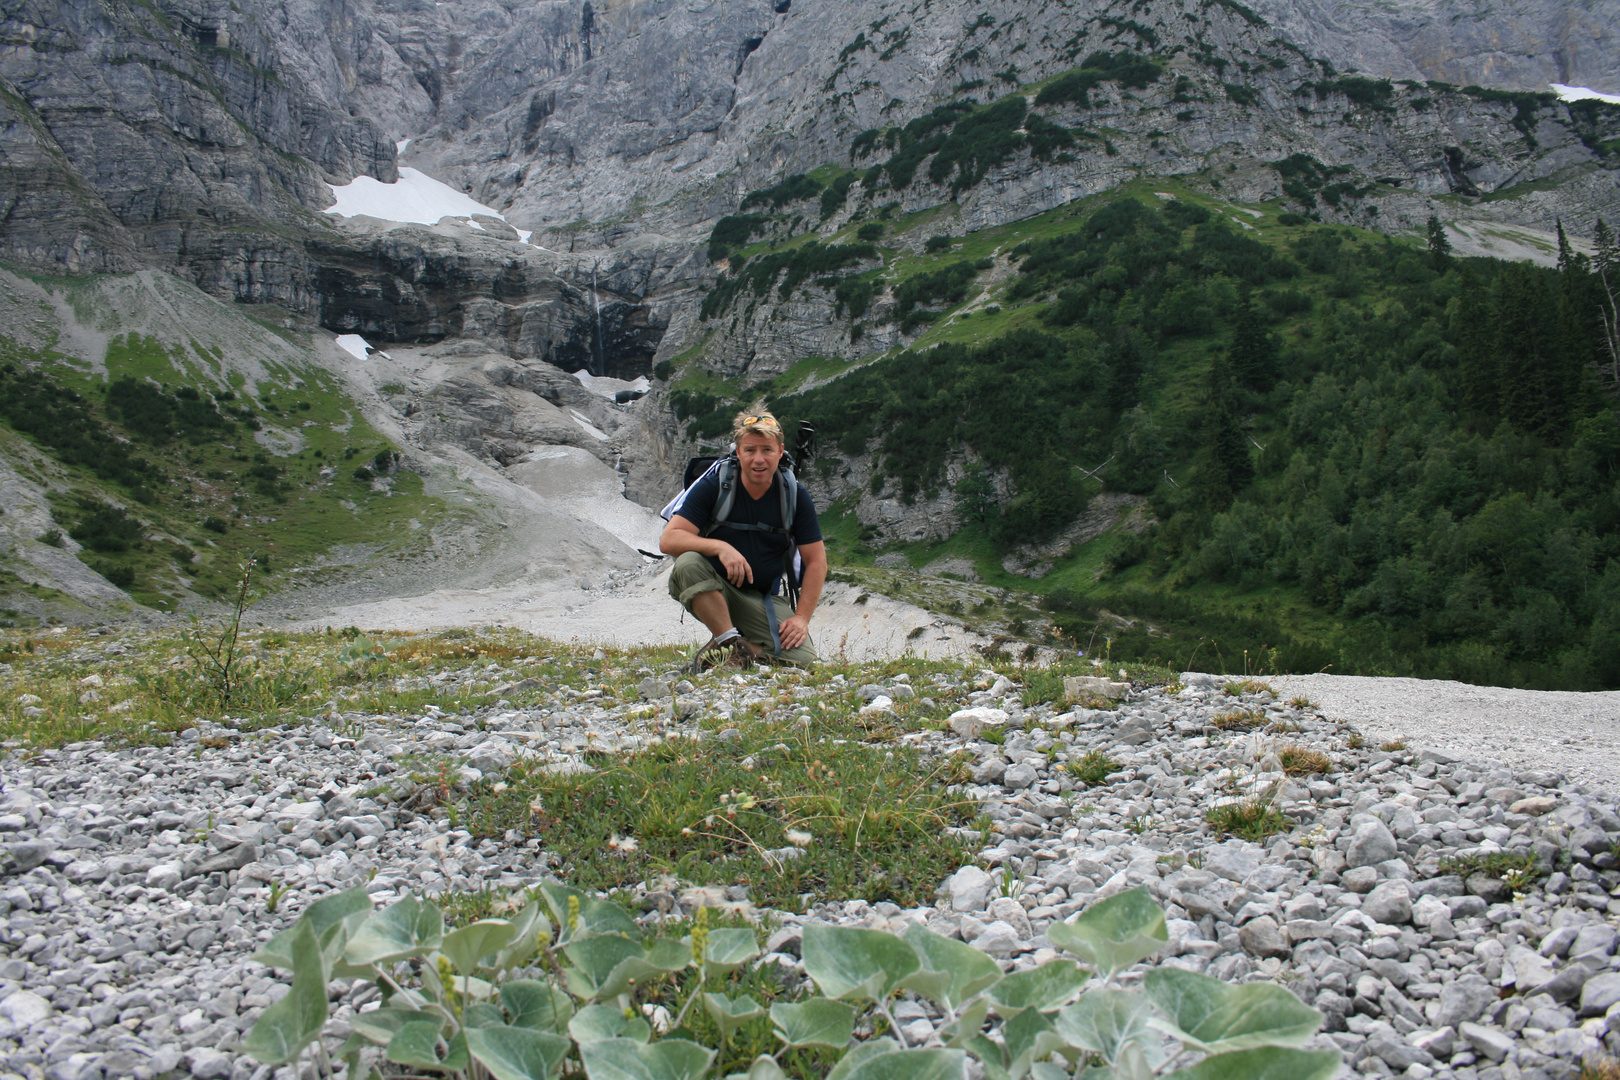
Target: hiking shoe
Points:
(736, 654)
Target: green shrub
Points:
(870, 232)
(795, 187)
(734, 230)
(793, 267)
(1129, 70)
(106, 528)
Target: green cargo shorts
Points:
(693, 574)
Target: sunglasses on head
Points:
(764, 418)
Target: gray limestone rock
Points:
(1262, 937)
(1464, 1000)
(1373, 843)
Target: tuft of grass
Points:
(1237, 720)
(1248, 686)
(1597, 1067)
(729, 813)
(1093, 768)
(1393, 746)
(1302, 703)
(1356, 740)
(1303, 761)
(1248, 819)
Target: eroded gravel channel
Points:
(136, 882)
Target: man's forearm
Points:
(679, 541)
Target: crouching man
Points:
(732, 553)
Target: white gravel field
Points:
(1577, 734)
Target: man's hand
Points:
(738, 572)
(794, 630)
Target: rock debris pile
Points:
(1450, 918)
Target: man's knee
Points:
(692, 574)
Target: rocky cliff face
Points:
(199, 136)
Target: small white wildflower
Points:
(798, 838)
(623, 845)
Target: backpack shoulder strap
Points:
(726, 473)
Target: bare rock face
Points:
(133, 134)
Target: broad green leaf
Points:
(595, 1023)
(467, 946)
(1050, 986)
(1048, 1070)
(729, 948)
(321, 917)
(849, 962)
(969, 1024)
(537, 1005)
(1107, 1021)
(595, 916)
(817, 1022)
(859, 1054)
(626, 1059)
(417, 1045)
(731, 1013)
(1028, 1036)
(482, 1014)
(951, 971)
(1115, 933)
(1215, 1017)
(287, 1026)
(938, 1064)
(528, 925)
(379, 1025)
(763, 1068)
(401, 930)
(1264, 1063)
(605, 964)
(518, 1054)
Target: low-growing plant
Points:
(872, 821)
(1247, 686)
(1355, 740)
(1093, 767)
(1303, 761)
(575, 985)
(1393, 746)
(1301, 702)
(1496, 864)
(1248, 819)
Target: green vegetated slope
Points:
(197, 441)
(1363, 455)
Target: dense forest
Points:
(1419, 451)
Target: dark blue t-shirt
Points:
(765, 551)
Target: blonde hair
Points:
(763, 423)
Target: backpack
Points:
(727, 470)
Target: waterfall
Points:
(601, 359)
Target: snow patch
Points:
(603, 386)
(355, 345)
(399, 147)
(590, 428)
(1582, 93)
(417, 198)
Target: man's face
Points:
(759, 455)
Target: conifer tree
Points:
(1521, 350)
(1254, 353)
(1227, 466)
(1439, 245)
(1472, 332)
